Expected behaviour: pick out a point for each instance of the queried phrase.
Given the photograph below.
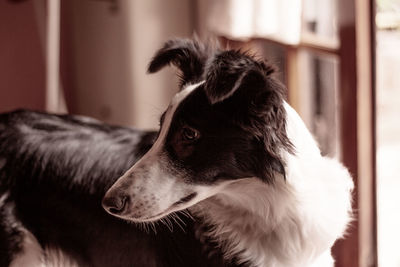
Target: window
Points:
(388, 130)
(330, 77)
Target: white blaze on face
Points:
(176, 100)
(153, 189)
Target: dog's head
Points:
(226, 123)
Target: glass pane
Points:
(318, 103)
(388, 130)
(319, 17)
(276, 55)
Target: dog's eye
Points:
(189, 134)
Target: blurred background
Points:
(340, 60)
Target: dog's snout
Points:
(115, 204)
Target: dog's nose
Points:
(115, 204)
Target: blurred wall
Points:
(105, 52)
(22, 66)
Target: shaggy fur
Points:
(233, 172)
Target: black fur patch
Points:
(238, 111)
(228, 70)
(189, 56)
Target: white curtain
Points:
(278, 20)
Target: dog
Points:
(232, 178)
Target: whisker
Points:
(180, 220)
(169, 223)
(175, 218)
(153, 226)
(187, 214)
(166, 223)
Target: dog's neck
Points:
(254, 222)
(276, 225)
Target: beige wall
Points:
(106, 54)
(22, 66)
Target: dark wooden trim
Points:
(319, 44)
(346, 252)
(357, 96)
(310, 42)
(374, 131)
(292, 76)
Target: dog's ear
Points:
(227, 71)
(189, 56)
(244, 84)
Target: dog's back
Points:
(54, 171)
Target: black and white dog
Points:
(232, 178)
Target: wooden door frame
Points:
(357, 90)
